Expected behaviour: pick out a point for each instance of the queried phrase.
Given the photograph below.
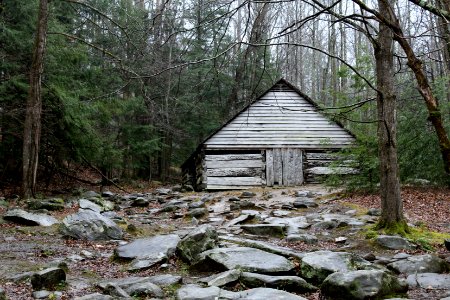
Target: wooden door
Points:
(284, 167)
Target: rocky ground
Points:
(299, 243)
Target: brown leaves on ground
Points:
(422, 206)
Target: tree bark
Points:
(32, 125)
(391, 202)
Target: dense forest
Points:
(128, 88)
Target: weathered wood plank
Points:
(321, 156)
(238, 181)
(277, 167)
(255, 145)
(227, 157)
(234, 172)
(214, 164)
(329, 170)
(269, 167)
(226, 187)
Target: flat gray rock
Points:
(429, 280)
(287, 283)
(125, 283)
(148, 247)
(316, 266)
(394, 242)
(246, 259)
(303, 237)
(426, 263)
(148, 251)
(90, 225)
(195, 292)
(361, 284)
(267, 293)
(48, 279)
(223, 278)
(94, 296)
(86, 204)
(275, 230)
(20, 216)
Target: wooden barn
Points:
(281, 139)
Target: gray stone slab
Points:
(246, 259)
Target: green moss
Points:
(393, 228)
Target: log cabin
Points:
(280, 139)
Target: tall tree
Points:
(391, 202)
(32, 126)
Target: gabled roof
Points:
(282, 116)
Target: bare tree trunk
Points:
(32, 126)
(391, 203)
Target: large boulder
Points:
(148, 251)
(51, 204)
(426, 263)
(244, 258)
(90, 225)
(316, 266)
(276, 230)
(86, 204)
(48, 279)
(20, 216)
(361, 284)
(197, 241)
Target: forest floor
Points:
(25, 249)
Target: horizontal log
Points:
(235, 172)
(321, 156)
(234, 164)
(226, 187)
(238, 181)
(329, 170)
(258, 145)
(211, 157)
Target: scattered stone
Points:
(107, 194)
(307, 194)
(48, 279)
(196, 204)
(246, 204)
(148, 251)
(91, 194)
(238, 220)
(370, 257)
(52, 204)
(361, 284)
(374, 212)
(247, 194)
(244, 258)
(275, 230)
(401, 255)
(86, 204)
(173, 205)
(140, 202)
(95, 296)
(303, 237)
(426, 263)
(234, 199)
(394, 242)
(429, 280)
(125, 283)
(197, 212)
(267, 247)
(324, 225)
(115, 291)
(340, 240)
(267, 293)
(22, 217)
(316, 266)
(196, 292)
(280, 213)
(197, 241)
(287, 283)
(163, 192)
(90, 225)
(304, 203)
(223, 278)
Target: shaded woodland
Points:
(128, 89)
